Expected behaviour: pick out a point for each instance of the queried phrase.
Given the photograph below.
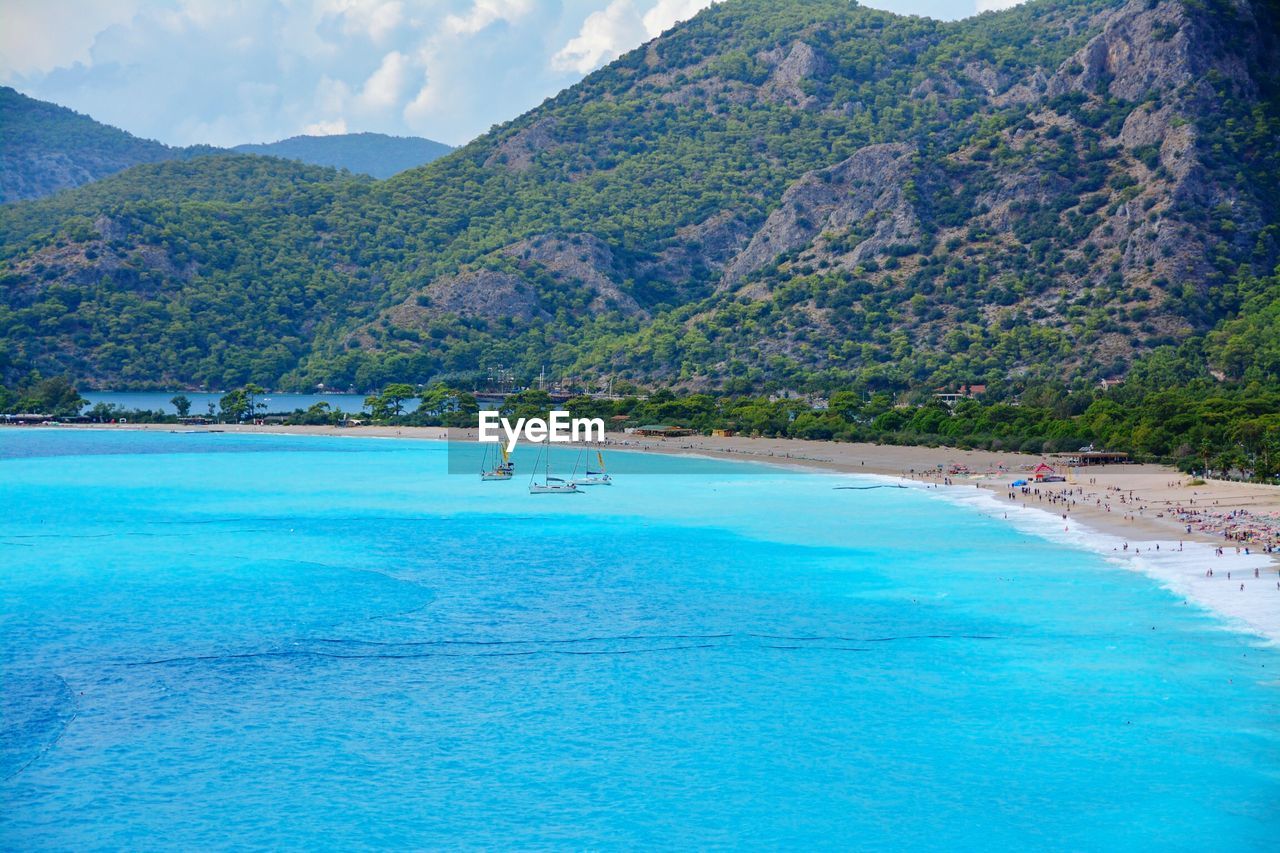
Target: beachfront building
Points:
(660, 431)
(966, 392)
(1089, 456)
(1046, 473)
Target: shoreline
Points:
(1119, 512)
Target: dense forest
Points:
(790, 199)
(45, 148)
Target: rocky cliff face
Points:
(865, 194)
(792, 69)
(1110, 167)
(547, 273)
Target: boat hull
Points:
(568, 488)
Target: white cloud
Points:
(205, 14)
(41, 35)
(996, 5)
(667, 13)
(331, 96)
(428, 98)
(385, 86)
(374, 19)
(607, 34)
(485, 12)
(326, 128)
(604, 36)
(383, 21)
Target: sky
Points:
(223, 72)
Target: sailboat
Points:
(503, 470)
(549, 485)
(595, 478)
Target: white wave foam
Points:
(1178, 566)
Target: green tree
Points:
(233, 407)
(251, 392)
(394, 396)
(532, 403)
(56, 396)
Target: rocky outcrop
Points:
(1140, 47)
(516, 153)
(985, 75)
(866, 189)
(581, 258)
(146, 270)
(487, 294)
(1150, 46)
(1024, 91)
(799, 63)
(574, 260)
(699, 250)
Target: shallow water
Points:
(297, 642)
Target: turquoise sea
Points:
(225, 641)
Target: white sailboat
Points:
(549, 485)
(501, 470)
(595, 478)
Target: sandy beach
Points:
(1215, 544)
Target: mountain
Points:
(374, 154)
(45, 148)
(807, 196)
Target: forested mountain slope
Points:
(802, 194)
(45, 148)
(375, 154)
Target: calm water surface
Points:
(225, 640)
(158, 401)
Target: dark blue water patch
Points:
(35, 709)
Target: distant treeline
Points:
(1158, 414)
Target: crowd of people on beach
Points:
(1250, 532)
(1247, 532)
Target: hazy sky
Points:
(231, 71)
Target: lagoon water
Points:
(297, 642)
(158, 401)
